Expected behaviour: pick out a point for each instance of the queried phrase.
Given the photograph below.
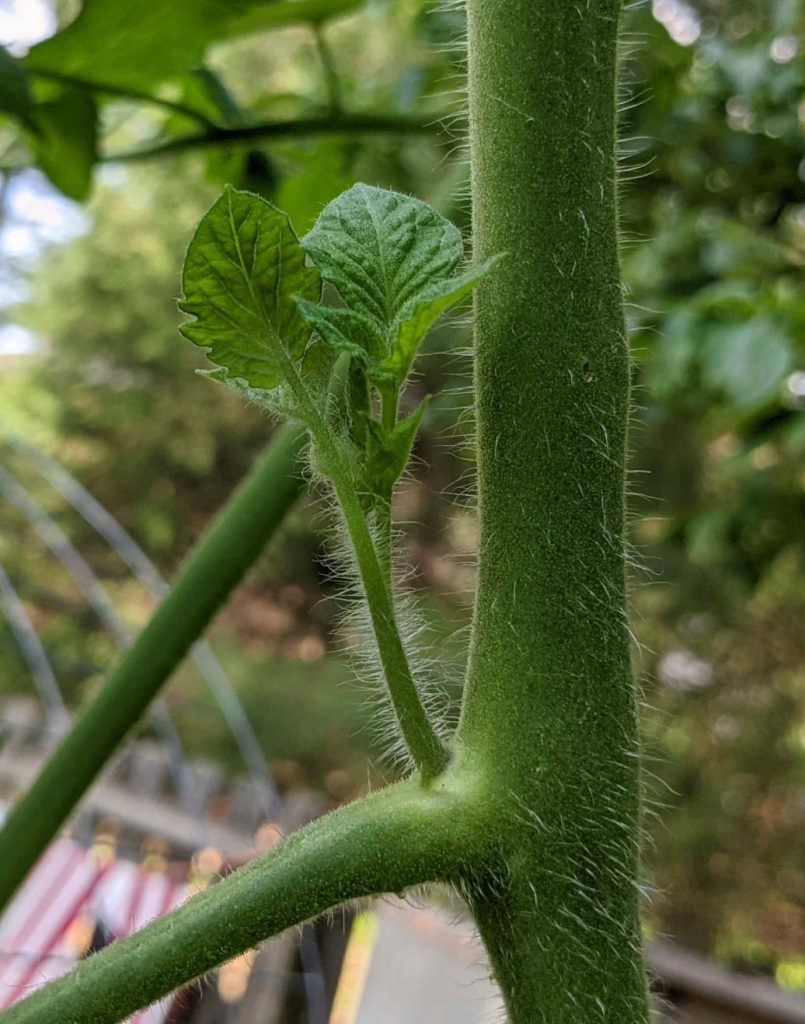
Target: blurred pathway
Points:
(424, 969)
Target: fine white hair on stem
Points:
(358, 641)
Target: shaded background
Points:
(92, 369)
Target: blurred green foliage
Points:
(713, 210)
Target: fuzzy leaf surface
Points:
(388, 452)
(344, 330)
(434, 300)
(242, 269)
(392, 259)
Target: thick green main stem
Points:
(219, 563)
(550, 709)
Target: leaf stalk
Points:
(429, 753)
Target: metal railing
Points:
(144, 570)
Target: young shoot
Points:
(254, 290)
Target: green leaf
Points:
(134, 43)
(242, 268)
(747, 362)
(388, 452)
(278, 400)
(344, 330)
(15, 93)
(433, 301)
(320, 171)
(267, 16)
(391, 258)
(65, 140)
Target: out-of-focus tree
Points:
(715, 256)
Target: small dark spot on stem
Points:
(586, 371)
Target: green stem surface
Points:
(549, 707)
(427, 750)
(135, 95)
(396, 838)
(342, 123)
(215, 568)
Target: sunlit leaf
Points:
(134, 43)
(138, 43)
(242, 268)
(392, 259)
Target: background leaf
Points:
(140, 43)
(748, 362)
(134, 44)
(242, 268)
(15, 93)
(266, 16)
(65, 142)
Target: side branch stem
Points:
(427, 750)
(332, 124)
(136, 95)
(217, 566)
(396, 838)
(425, 746)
